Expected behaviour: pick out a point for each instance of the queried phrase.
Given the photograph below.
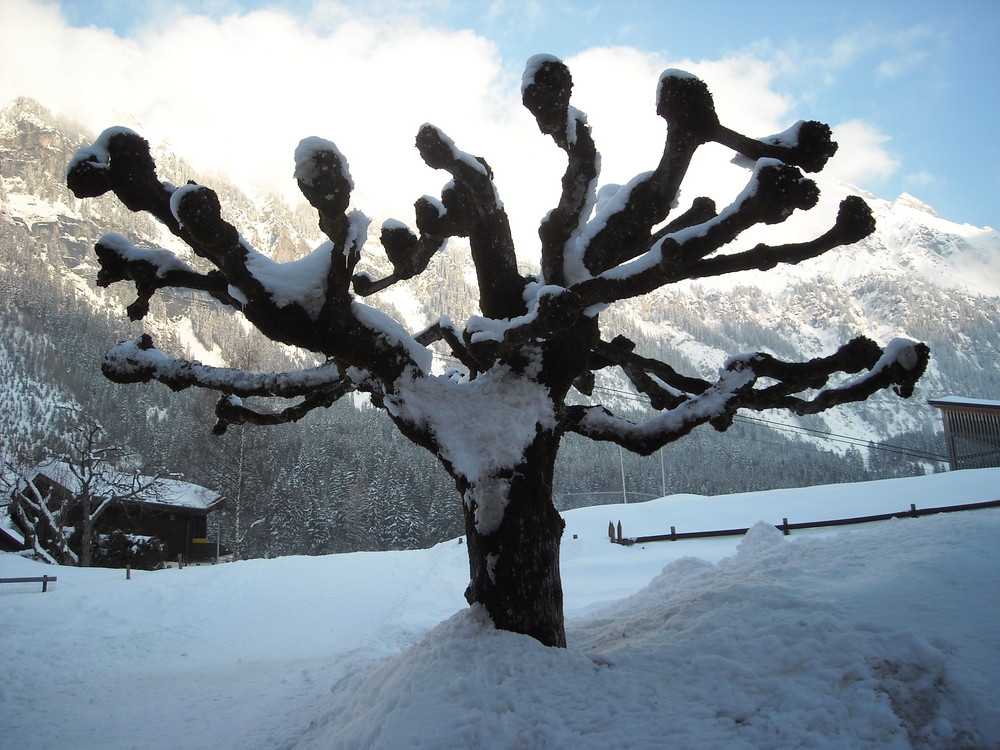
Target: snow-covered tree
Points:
(496, 424)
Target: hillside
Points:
(870, 639)
(317, 487)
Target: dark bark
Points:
(514, 570)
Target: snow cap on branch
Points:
(685, 102)
(300, 282)
(163, 261)
(439, 151)
(544, 70)
(546, 86)
(315, 157)
(98, 154)
(179, 195)
(88, 173)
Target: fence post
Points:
(180, 561)
(128, 572)
(45, 583)
(611, 530)
(673, 533)
(784, 527)
(913, 510)
(619, 530)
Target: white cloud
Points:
(236, 95)
(862, 156)
(814, 67)
(921, 179)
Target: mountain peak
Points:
(24, 109)
(905, 199)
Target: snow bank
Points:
(880, 638)
(786, 644)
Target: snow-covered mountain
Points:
(919, 276)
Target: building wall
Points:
(174, 527)
(972, 437)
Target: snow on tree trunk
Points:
(497, 437)
(514, 562)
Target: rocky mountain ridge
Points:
(919, 276)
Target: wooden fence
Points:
(44, 580)
(616, 536)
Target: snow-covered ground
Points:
(879, 637)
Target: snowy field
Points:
(881, 637)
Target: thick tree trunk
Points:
(86, 537)
(514, 569)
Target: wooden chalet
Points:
(173, 511)
(971, 431)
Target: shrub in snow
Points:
(118, 550)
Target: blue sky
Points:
(912, 88)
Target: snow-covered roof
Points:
(172, 493)
(960, 401)
(7, 528)
(184, 494)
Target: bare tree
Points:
(72, 493)
(44, 526)
(497, 426)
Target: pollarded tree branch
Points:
(678, 253)
(408, 253)
(775, 190)
(546, 86)
(622, 230)
(443, 330)
(199, 212)
(120, 161)
(305, 303)
(437, 220)
(702, 210)
(854, 222)
(323, 177)
(686, 104)
(152, 270)
(899, 366)
(139, 361)
(230, 409)
(500, 284)
(282, 302)
(658, 381)
(807, 144)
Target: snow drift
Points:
(880, 637)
